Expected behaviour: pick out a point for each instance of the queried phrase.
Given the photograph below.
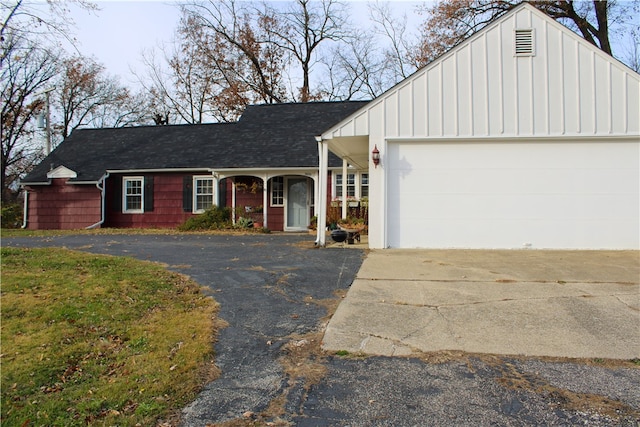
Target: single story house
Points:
(265, 166)
(522, 136)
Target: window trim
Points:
(195, 180)
(361, 176)
(125, 180)
(281, 191)
(357, 184)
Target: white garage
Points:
(498, 144)
(512, 195)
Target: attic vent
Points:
(524, 42)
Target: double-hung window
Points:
(364, 185)
(133, 194)
(203, 193)
(277, 191)
(351, 185)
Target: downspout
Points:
(25, 214)
(103, 212)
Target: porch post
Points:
(216, 186)
(265, 200)
(323, 170)
(233, 200)
(344, 188)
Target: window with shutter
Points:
(133, 194)
(203, 194)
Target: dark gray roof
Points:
(266, 136)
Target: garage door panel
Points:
(505, 207)
(562, 195)
(514, 181)
(505, 233)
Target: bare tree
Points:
(355, 70)
(270, 39)
(199, 77)
(306, 25)
(451, 21)
(124, 110)
(236, 27)
(25, 72)
(393, 29)
(631, 50)
(37, 20)
(85, 95)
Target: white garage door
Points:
(513, 195)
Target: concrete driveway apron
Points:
(578, 304)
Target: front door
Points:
(297, 204)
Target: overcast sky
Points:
(116, 34)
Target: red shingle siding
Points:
(167, 204)
(62, 206)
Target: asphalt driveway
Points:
(274, 292)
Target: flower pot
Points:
(258, 225)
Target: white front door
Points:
(297, 201)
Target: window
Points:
(364, 185)
(524, 42)
(202, 193)
(351, 185)
(277, 191)
(133, 195)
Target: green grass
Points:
(100, 340)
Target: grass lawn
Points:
(100, 340)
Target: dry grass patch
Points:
(94, 339)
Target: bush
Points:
(214, 218)
(244, 222)
(11, 215)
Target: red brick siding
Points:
(62, 206)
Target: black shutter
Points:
(187, 193)
(148, 193)
(115, 182)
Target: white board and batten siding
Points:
(486, 148)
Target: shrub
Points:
(213, 218)
(244, 222)
(11, 215)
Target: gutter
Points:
(103, 193)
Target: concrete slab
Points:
(576, 304)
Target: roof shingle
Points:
(266, 136)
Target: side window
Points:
(202, 193)
(351, 185)
(364, 185)
(277, 191)
(133, 194)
